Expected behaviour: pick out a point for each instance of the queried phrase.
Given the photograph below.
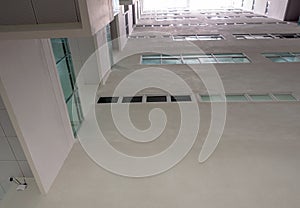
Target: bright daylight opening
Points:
(190, 4)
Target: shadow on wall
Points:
(293, 11)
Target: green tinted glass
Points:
(151, 61)
(225, 60)
(171, 61)
(212, 98)
(261, 97)
(292, 59)
(58, 49)
(285, 97)
(278, 59)
(73, 114)
(65, 78)
(241, 60)
(205, 98)
(236, 98)
(66, 74)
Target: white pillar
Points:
(31, 90)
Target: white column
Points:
(31, 90)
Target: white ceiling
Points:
(16, 12)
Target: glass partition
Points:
(67, 78)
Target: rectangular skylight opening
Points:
(259, 98)
(181, 98)
(156, 99)
(212, 98)
(236, 98)
(103, 100)
(134, 99)
(285, 97)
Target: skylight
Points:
(190, 4)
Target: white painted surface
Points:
(100, 13)
(94, 15)
(36, 106)
(277, 8)
(91, 52)
(12, 159)
(82, 49)
(255, 165)
(102, 52)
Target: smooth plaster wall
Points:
(94, 15)
(100, 13)
(277, 8)
(91, 52)
(12, 159)
(102, 52)
(31, 91)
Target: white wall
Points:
(130, 19)
(90, 56)
(100, 13)
(93, 52)
(94, 15)
(102, 52)
(277, 7)
(32, 94)
(119, 28)
(82, 49)
(12, 159)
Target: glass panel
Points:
(191, 38)
(270, 55)
(225, 60)
(181, 98)
(236, 98)
(108, 100)
(240, 37)
(152, 56)
(151, 61)
(261, 97)
(249, 37)
(66, 74)
(196, 56)
(58, 49)
(170, 56)
(178, 38)
(78, 104)
(284, 54)
(191, 61)
(205, 98)
(216, 98)
(207, 60)
(207, 37)
(241, 60)
(212, 98)
(65, 78)
(228, 54)
(171, 61)
(73, 114)
(135, 99)
(292, 59)
(277, 59)
(285, 97)
(263, 37)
